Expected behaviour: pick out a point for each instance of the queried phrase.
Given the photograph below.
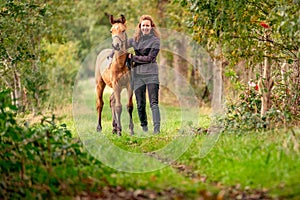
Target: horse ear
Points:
(111, 19)
(123, 19)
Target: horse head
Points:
(118, 33)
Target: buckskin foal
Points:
(115, 75)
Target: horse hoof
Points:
(114, 131)
(119, 133)
(99, 129)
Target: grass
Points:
(267, 161)
(253, 160)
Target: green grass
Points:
(256, 160)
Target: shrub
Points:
(41, 160)
(244, 114)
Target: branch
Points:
(23, 143)
(259, 7)
(282, 46)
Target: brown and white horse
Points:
(116, 75)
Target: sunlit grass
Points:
(252, 160)
(266, 160)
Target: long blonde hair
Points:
(138, 32)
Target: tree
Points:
(253, 32)
(25, 26)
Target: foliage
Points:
(40, 160)
(244, 113)
(24, 27)
(248, 32)
(63, 67)
(240, 26)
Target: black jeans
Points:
(140, 94)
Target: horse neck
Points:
(120, 56)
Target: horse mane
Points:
(120, 20)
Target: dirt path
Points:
(225, 192)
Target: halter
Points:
(117, 48)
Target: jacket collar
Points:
(147, 36)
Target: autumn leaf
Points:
(263, 24)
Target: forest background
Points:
(254, 46)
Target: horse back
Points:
(102, 62)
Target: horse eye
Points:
(123, 31)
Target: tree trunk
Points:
(195, 78)
(16, 89)
(217, 87)
(266, 87)
(180, 63)
(296, 88)
(163, 63)
(217, 92)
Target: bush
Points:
(244, 114)
(39, 161)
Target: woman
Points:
(146, 45)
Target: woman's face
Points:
(146, 26)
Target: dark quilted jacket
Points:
(146, 51)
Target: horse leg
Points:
(118, 108)
(112, 106)
(130, 109)
(99, 102)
